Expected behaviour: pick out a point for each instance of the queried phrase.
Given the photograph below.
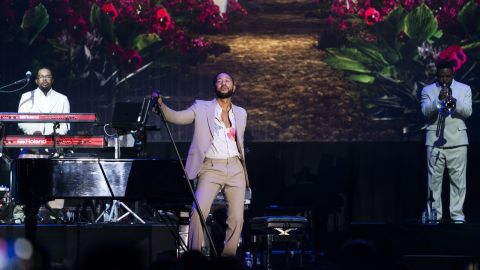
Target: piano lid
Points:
(159, 181)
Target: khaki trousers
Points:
(228, 176)
(455, 160)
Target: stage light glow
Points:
(23, 249)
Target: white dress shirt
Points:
(36, 101)
(224, 143)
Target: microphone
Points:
(155, 96)
(28, 74)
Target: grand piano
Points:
(36, 181)
(41, 180)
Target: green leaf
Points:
(34, 21)
(438, 34)
(126, 32)
(471, 46)
(391, 55)
(420, 24)
(102, 22)
(395, 20)
(154, 3)
(346, 64)
(145, 40)
(469, 16)
(351, 54)
(387, 72)
(362, 78)
(371, 50)
(391, 26)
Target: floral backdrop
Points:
(389, 48)
(110, 40)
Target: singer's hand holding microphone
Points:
(157, 100)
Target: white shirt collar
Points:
(38, 91)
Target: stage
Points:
(67, 243)
(422, 246)
(414, 245)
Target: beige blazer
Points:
(202, 114)
(455, 132)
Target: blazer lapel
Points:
(210, 111)
(35, 102)
(54, 101)
(240, 121)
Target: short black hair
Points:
(214, 82)
(443, 64)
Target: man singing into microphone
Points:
(447, 147)
(216, 158)
(43, 100)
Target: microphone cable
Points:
(28, 74)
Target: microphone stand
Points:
(26, 80)
(197, 206)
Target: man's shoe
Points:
(458, 221)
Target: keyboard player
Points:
(43, 100)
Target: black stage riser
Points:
(437, 246)
(67, 243)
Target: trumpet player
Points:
(446, 104)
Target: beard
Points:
(220, 94)
(45, 87)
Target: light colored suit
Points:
(35, 101)
(228, 175)
(452, 153)
(202, 113)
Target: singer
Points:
(216, 158)
(447, 148)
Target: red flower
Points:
(402, 36)
(235, 9)
(130, 60)
(343, 25)
(114, 50)
(200, 43)
(330, 20)
(110, 9)
(371, 16)
(361, 12)
(455, 55)
(162, 20)
(78, 25)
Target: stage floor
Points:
(66, 243)
(440, 246)
(423, 246)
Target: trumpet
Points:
(449, 103)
